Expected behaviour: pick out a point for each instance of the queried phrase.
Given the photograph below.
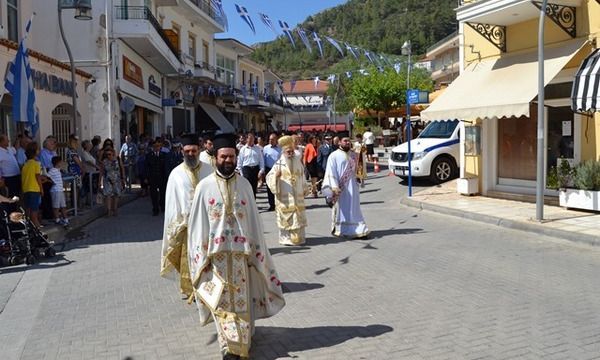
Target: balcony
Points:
(206, 71)
(137, 27)
(200, 10)
(505, 12)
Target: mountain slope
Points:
(377, 25)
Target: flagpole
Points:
(72, 63)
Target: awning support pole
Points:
(540, 179)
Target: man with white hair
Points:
(286, 181)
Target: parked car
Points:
(435, 153)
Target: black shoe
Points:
(230, 357)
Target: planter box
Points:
(580, 199)
(467, 186)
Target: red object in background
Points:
(318, 127)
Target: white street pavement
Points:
(425, 286)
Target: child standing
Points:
(31, 182)
(59, 203)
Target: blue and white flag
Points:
(397, 67)
(286, 30)
(19, 84)
(304, 39)
(246, 17)
(380, 69)
(319, 42)
(280, 85)
(335, 45)
(351, 50)
(245, 93)
(363, 72)
(331, 78)
(267, 21)
(255, 89)
(349, 74)
(217, 6)
(317, 81)
(292, 85)
(368, 56)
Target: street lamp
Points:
(540, 183)
(407, 50)
(83, 11)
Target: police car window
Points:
(439, 129)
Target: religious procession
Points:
(213, 240)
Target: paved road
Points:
(425, 286)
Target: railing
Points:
(208, 9)
(206, 66)
(143, 13)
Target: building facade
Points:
(496, 93)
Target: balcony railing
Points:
(206, 66)
(143, 13)
(208, 9)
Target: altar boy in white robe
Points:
(341, 188)
(178, 199)
(286, 181)
(233, 275)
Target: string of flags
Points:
(306, 36)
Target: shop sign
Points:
(132, 72)
(153, 87)
(51, 83)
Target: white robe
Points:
(205, 157)
(340, 176)
(178, 199)
(234, 279)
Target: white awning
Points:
(586, 87)
(143, 103)
(219, 119)
(500, 88)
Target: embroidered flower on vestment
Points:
(211, 201)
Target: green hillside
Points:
(378, 25)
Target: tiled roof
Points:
(306, 87)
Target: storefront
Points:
(498, 98)
(140, 95)
(53, 89)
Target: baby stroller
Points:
(22, 240)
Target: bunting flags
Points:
(304, 39)
(317, 40)
(368, 56)
(267, 21)
(19, 84)
(286, 30)
(331, 78)
(335, 45)
(246, 17)
(397, 67)
(351, 50)
(317, 81)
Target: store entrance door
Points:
(560, 143)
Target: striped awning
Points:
(585, 96)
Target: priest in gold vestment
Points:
(234, 278)
(178, 198)
(286, 181)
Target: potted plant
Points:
(580, 188)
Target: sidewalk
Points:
(577, 226)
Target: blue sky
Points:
(290, 11)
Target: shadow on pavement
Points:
(378, 234)
(46, 263)
(290, 287)
(289, 250)
(369, 191)
(293, 340)
(372, 202)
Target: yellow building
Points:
(496, 93)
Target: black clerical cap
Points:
(189, 139)
(221, 141)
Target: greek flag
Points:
(217, 6)
(317, 40)
(286, 30)
(267, 21)
(335, 44)
(19, 84)
(317, 81)
(331, 78)
(368, 56)
(246, 17)
(397, 67)
(304, 39)
(351, 50)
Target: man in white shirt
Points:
(369, 139)
(250, 162)
(9, 168)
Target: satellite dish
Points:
(127, 104)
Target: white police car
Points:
(435, 153)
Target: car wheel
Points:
(442, 169)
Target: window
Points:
(258, 82)
(192, 46)
(226, 70)
(12, 13)
(175, 41)
(243, 77)
(251, 79)
(205, 56)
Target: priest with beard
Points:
(341, 189)
(234, 279)
(179, 194)
(286, 181)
